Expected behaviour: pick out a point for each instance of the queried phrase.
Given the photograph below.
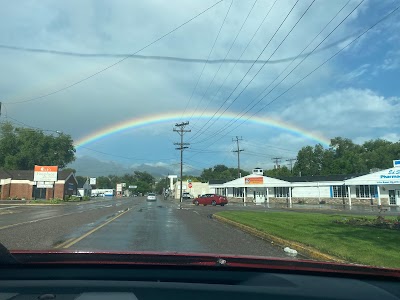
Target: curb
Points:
(302, 249)
(32, 204)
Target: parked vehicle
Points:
(211, 199)
(151, 197)
(187, 196)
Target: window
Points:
(366, 191)
(238, 192)
(339, 191)
(220, 191)
(281, 192)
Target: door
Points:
(392, 197)
(397, 197)
(260, 198)
(209, 199)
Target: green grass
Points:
(50, 201)
(357, 244)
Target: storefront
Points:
(19, 184)
(254, 188)
(380, 188)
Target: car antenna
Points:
(6, 257)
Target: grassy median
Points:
(358, 244)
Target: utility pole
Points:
(237, 139)
(291, 160)
(180, 129)
(277, 160)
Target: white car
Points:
(151, 197)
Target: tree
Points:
(70, 170)
(161, 185)
(81, 180)
(279, 172)
(103, 182)
(143, 176)
(345, 157)
(23, 148)
(221, 172)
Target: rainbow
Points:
(144, 121)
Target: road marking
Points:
(63, 243)
(8, 207)
(33, 221)
(196, 212)
(47, 218)
(93, 230)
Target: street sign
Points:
(133, 186)
(189, 180)
(92, 181)
(190, 185)
(123, 184)
(45, 173)
(119, 187)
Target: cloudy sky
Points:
(237, 70)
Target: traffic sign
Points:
(190, 185)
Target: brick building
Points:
(19, 184)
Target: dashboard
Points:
(130, 282)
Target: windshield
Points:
(279, 118)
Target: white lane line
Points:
(8, 207)
(44, 219)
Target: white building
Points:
(378, 188)
(193, 188)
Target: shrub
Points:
(378, 222)
(73, 199)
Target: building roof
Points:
(4, 174)
(217, 181)
(28, 174)
(319, 178)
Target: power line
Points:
(117, 62)
(233, 101)
(236, 119)
(258, 57)
(239, 115)
(168, 58)
(205, 64)
(318, 67)
(241, 55)
(219, 68)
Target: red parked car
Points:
(212, 199)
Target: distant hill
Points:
(92, 167)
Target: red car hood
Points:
(197, 260)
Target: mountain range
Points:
(93, 167)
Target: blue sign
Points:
(396, 163)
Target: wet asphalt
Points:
(127, 224)
(133, 224)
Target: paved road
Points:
(130, 224)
